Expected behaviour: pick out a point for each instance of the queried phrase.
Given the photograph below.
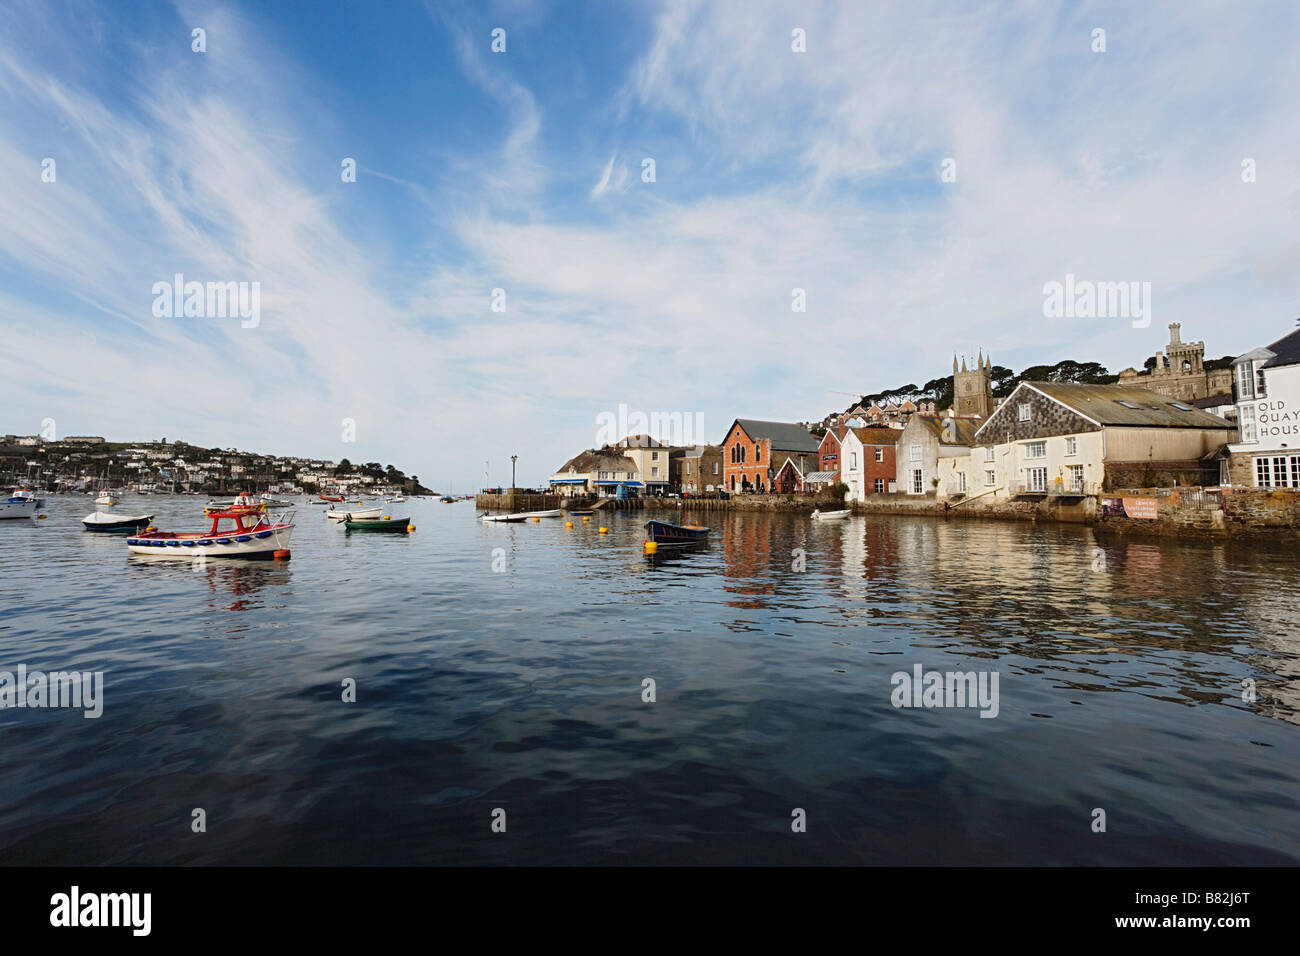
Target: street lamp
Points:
(513, 459)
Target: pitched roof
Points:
(785, 436)
(1144, 408)
(877, 436)
(593, 461)
(1286, 351)
(961, 431)
(1213, 401)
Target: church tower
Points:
(972, 389)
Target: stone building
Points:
(972, 389)
(1180, 371)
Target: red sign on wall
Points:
(1141, 508)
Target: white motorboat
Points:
(397, 498)
(106, 498)
(26, 494)
(239, 532)
(18, 507)
(831, 515)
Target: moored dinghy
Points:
(553, 513)
(662, 533)
(510, 518)
(115, 523)
(238, 532)
(386, 523)
(831, 515)
(335, 513)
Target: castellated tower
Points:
(972, 389)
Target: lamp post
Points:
(513, 459)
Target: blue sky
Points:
(521, 171)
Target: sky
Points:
(920, 171)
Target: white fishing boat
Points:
(26, 494)
(106, 498)
(831, 515)
(18, 507)
(239, 532)
(344, 513)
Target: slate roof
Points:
(962, 430)
(1286, 351)
(878, 436)
(1101, 403)
(785, 436)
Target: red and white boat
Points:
(330, 497)
(240, 531)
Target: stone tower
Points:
(972, 389)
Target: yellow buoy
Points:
(410, 527)
(535, 520)
(568, 524)
(604, 531)
(386, 517)
(586, 518)
(40, 517)
(651, 547)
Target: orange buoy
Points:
(281, 555)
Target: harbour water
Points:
(503, 667)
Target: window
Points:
(1245, 381)
(1125, 404)
(990, 478)
(715, 467)
(758, 453)
(1280, 471)
(916, 453)
(1023, 412)
(880, 486)
(1036, 449)
(853, 461)
(988, 453)
(1037, 479)
(961, 482)
(688, 467)
(1181, 407)
(654, 471)
(1074, 476)
(1259, 383)
(1247, 423)
(917, 486)
(880, 454)
(654, 456)
(1071, 445)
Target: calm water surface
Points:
(1120, 678)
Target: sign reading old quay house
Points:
(1267, 389)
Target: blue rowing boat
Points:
(661, 532)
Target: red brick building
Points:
(829, 453)
(754, 451)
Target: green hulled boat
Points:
(391, 525)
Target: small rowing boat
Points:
(386, 523)
(831, 515)
(582, 514)
(115, 523)
(511, 518)
(661, 532)
(239, 532)
(330, 497)
(553, 513)
(335, 513)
